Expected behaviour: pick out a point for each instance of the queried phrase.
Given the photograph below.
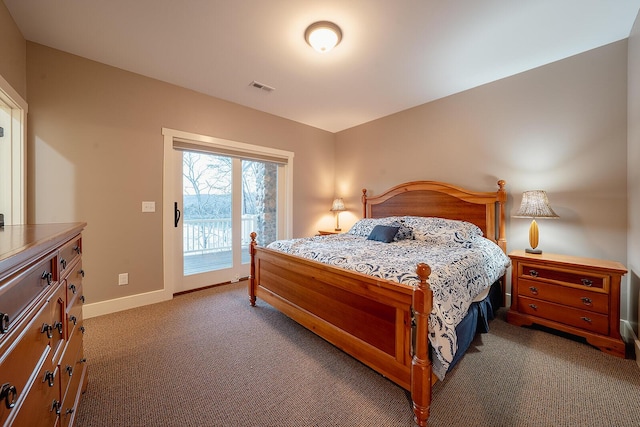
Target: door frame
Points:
(171, 273)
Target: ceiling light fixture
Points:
(323, 36)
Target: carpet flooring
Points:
(209, 359)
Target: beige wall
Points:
(96, 152)
(633, 167)
(14, 53)
(561, 128)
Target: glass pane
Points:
(259, 203)
(207, 225)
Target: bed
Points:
(381, 322)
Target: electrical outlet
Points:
(123, 279)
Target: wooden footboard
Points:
(368, 318)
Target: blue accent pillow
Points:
(383, 233)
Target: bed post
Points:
(252, 276)
(420, 363)
(502, 227)
(364, 203)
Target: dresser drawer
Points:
(74, 281)
(41, 406)
(582, 319)
(69, 253)
(71, 364)
(574, 297)
(565, 276)
(17, 364)
(21, 289)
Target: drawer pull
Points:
(533, 273)
(63, 262)
(82, 298)
(586, 319)
(76, 249)
(9, 393)
(533, 290)
(4, 323)
(535, 307)
(586, 301)
(48, 276)
(49, 378)
(587, 282)
(58, 326)
(81, 272)
(69, 370)
(74, 319)
(73, 288)
(48, 329)
(55, 406)
(82, 329)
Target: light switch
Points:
(148, 206)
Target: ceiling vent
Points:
(262, 86)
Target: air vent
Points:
(262, 86)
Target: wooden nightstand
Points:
(327, 232)
(580, 296)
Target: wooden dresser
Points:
(580, 296)
(42, 367)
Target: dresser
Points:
(43, 371)
(579, 296)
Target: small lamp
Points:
(337, 207)
(534, 205)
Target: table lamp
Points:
(534, 205)
(337, 207)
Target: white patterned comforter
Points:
(461, 268)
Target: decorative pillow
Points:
(383, 233)
(404, 232)
(364, 227)
(441, 231)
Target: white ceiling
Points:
(395, 54)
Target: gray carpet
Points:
(209, 359)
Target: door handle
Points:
(176, 214)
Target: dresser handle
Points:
(49, 378)
(586, 301)
(48, 276)
(82, 298)
(63, 262)
(587, 282)
(533, 290)
(82, 329)
(76, 249)
(535, 307)
(48, 329)
(586, 319)
(73, 288)
(74, 319)
(4, 323)
(9, 394)
(69, 370)
(81, 272)
(55, 406)
(533, 273)
(58, 326)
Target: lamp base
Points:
(338, 229)
(533, 251)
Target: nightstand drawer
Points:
(573, 297)
(564, 276)
(582, 319)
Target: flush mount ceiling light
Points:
(323, 36)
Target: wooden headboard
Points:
(439, 199)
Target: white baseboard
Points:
(124, 303)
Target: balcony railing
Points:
(204, 236)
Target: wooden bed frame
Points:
(372, 319)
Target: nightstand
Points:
(580, 296)
(327, 232)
